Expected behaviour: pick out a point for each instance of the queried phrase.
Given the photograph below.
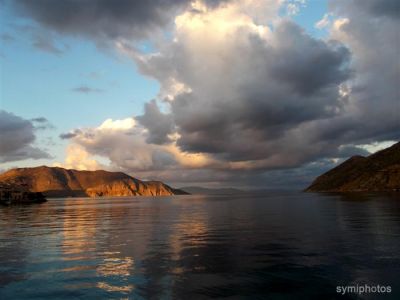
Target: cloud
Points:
(41, 123)
(255, 97)
(386, 8)
(46, 44)
(293, 6)
(123, 144)
(246, 94)
(41, 38)
(69, 135)
(40, 120)
(102, 19)
(159, 125)
(86, 90)
(120, 141)
(370, 30)
(251, 93)
(120, 145)
(17, 137)
(78, 158)
(324, 22)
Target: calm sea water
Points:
(275, 246)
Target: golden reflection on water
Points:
(79, 227)
(86, 226)
(113, 288)
(114, 266)
(190, 229)
(79, 241)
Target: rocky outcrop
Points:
(129, 188)
(10, 194)
(60, 182)
(375, 173)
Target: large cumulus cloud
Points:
(265, 98)
(250, 95)
(17, 136)
(124, 144)
(246, 91)
(370, 30)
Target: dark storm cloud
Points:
(288, 101)
(101, 18)
(269, 91)
(159, 125)
(375, 43)
(162, 160)
(16, 139)
(389, 8)
(306, 64)
(104, 19)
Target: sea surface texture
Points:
(278, 245)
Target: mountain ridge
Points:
(198, 190)
(60, 182)
(377, 172)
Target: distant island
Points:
(60, 182)
(197, 190)
(379, 172)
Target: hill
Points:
(375, 173)
(60, 182)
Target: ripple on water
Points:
(295, 246)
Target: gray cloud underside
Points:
(379, 8)
(103, 19)
(158, 124)
(282, 105)
(373, 35)
(258, 109)
(68, 135)
(16, 139)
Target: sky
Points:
(215, 93)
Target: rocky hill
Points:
(377, 172)
(59, 182)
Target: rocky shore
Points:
(11, 194)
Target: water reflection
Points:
(87, 229)
(79, 228)
(119, 270)
(295, 246)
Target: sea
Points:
(272, 245)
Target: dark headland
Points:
(12, 194)
(379, 172)
(60, 182)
